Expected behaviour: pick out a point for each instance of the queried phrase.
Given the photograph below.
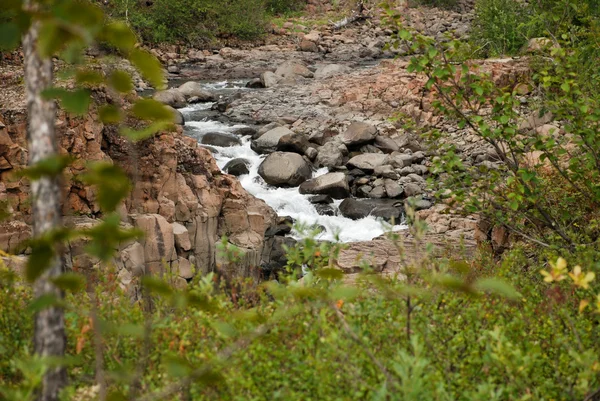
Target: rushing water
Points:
(285, 201)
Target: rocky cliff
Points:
(180, 199)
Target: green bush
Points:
(535, 345)
(194, 22)
(502, 27)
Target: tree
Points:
(49, 334)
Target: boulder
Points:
(292, 69)
(246, 131)
(178, 118)
(324, 209)
(269, 79)
(220, 139)
(332, 184)
(293, 142)
(387, 145)
(308, 46)
(171, 97)
(311, 153)
(412, 189)
(268, 141)
(237, 167)
(283, 226)
(355, 209)
(329, 70)
(255, 83)
(284, 169)
(359, 133)
(317, 199)
(182, 237)
(538, 45)
(367, 162)
(195, 90)
(392, 188)
(330, 155)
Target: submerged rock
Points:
(220, 139)
(237, 167)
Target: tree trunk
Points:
(49, 328)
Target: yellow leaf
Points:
(583, 304)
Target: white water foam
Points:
(287, 201)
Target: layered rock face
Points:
(180, 199)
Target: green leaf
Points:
(149, 66)
(89, 77)
(69, 281)
(121, 81)
(150, 109)
(157, 286)
(329, 274)
(110, 114)
(44, 302)
(565, 86)
(130, 329)
(75, 102)
(177, 367)
(118, 34)
(49, 167)
(152, 129)
(498, 287)
(225, 329)
(10, 36)
(40, 260)
(116, 395)
(52, 38)
(112, 183)
(345, 293)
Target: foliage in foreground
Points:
(323, 341)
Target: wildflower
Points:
(557, 273)
(580, 279)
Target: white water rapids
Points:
(285, 201)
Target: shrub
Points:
(193, 22)
(502, 27)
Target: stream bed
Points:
(285, 201)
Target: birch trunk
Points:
(49, 328)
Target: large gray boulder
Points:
(284, 169)
(367, 161)
(359, 133)
(268, 141)
(294, 142)
(220, 139)
(355, 209)
(332, 184)
(292, 69)
(171, 97)
(269, 79)
(330, 155)
(329, 70)
(195, 90)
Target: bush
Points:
(502, 27)
(194, 22)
